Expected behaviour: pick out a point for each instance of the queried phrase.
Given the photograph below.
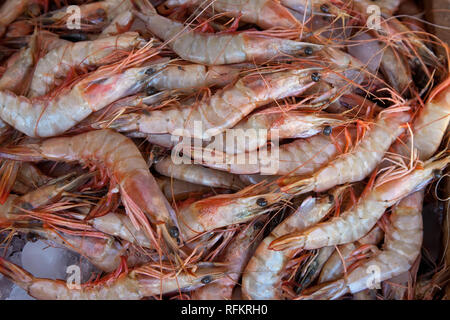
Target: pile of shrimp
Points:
(115, 118)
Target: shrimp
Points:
(401, 248)
(236, 256)
(223, 210)
(358, 164)
(264, 13)
(300, 157)
(334, 268)
(222, 110)
(10, 11)
(179, 190)
(58, 62)
(121, 22)
(122, 161)
(39, 117)
(262, 275)
(354, 223)
(217, 49)
(135, 284)
(199, 175)
(189, 77)
(430, 125)
(29, 178)
(291, 124)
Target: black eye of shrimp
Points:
(261, 202)
(327, 130)
(315, 77)
(308, 51)
(437, 174)
(206, 279)
(324, 8)
(174, 232)
(32, 237)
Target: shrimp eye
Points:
(308, 51)
(261, 202)
(149, 71)
(325, 8)
(327, 130)
(206, 279)
(315, 77)
(150, 90)
(331, 197)
(174, 232)
(26, 206)
(258, 225)
(437, 174)
(32, 237)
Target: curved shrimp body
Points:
(58, 62)
(42, 117)
(401, 248)
(236, 256)
(221, 111)
(217, 49)
(430, 125)
(300, 157)
(334, 268)
(133, 285)
(361, 161)
(189, 77)
(262, 275)
(9, 11)
(264, 13)
(199, 175)
(292, 124)
(223, 210)
(125, 165)
(359, 220)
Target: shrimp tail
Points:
(16, 274)
(29, 153)
(288, 242)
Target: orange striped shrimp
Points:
(262, 275)
(199, 175)
(401, 248)
(50, 116)
(222, 110)
(135, 284)
(360, 162)
(217, 49)
(235, 256)
(354, 223)
(59, 61)
(264, 13)
(123, 162)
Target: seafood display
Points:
(223, 150)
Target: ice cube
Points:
(17, 293)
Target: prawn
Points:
(130, 285)
(125, 165)
(236, 256)
(59, 61)
(222, 110)
(401, 248)
(354, 223)
(10, 11)
(199, 175)
(217, 49)
(264, 13)
(358, 164)
(262, 275)
(39, 117)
